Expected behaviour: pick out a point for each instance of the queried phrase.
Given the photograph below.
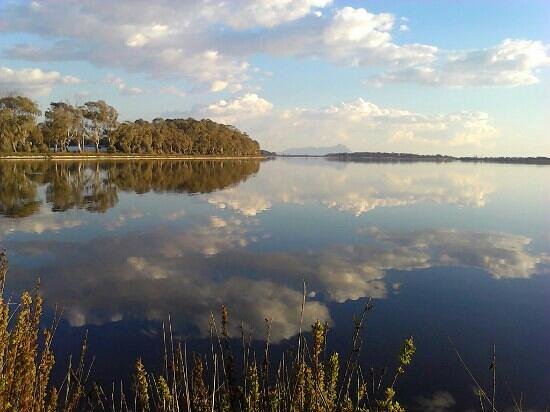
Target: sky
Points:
(426, 76)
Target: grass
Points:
(309, 378)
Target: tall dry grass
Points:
(225, 379)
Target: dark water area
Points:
(444, 250)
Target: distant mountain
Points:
(315, 151)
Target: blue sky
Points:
(457, 77)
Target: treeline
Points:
(384, 157)
(65, 127)
(94, 186)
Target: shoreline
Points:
(544, 161)
(366, 157)
(114, 156)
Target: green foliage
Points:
(96, 122)
(141, 386)
(63, 125)
(100, 121)
(18, 129)
(182, 136)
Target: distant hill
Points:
(315, 151)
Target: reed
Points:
(308, 379)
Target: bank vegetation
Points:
(94, 126)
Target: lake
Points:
(444, 250)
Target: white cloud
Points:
(246, 14)
(173, 39)
(510, 63)
(34, 82)
(249, 105)
(209, 42)
(351, 36)
(174, 91)
(147, 34)
(358, 123)
(122, 87)
(358, 26)
(210, 67)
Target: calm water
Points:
(445, 250)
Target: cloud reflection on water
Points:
(213, 248)
(357, 189)
(192, 273)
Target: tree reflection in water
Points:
(94, 186)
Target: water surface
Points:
(445, 250)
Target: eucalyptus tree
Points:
(63, 125)
(100, 121)
(18, 128)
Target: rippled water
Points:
(445, 250)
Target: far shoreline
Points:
(386, 157)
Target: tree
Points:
(101, 120)
(18, 123)
(96, 121)
(63, 125)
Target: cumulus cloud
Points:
(122, 87)
(361, 38)
(218, 71)
(147, 34)
(209, 43)
(357, 123)
(510, 63)
(246, 14)
(174, 91)
(351, 25)
(247, 106)
(34, 82)
(170, 39)
(350, 36)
